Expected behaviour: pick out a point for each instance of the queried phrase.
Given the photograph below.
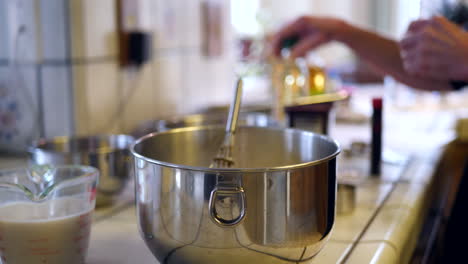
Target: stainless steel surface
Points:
(205, 119)
(223, 158)
(288, 178)
(110, 154)
(234, 109)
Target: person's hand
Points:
(435, 48)
(311, 32)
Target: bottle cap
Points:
(289, 42)
(377, 102)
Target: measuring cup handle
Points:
(227, 191)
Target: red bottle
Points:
(376, 139)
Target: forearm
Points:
(384, 55)
(460, 72)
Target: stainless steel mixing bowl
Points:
(276, 205)
(108, 153)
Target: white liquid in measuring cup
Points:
(29, 235)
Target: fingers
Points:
(311, 31)
(295, 28)
(445, 27)
(308, 43)
(418, 31)
(417, 25)
(428, 48)
(435, 72)
(426, 39)
(409, 41)
(432, 30)
(425, 64)
(444, 24)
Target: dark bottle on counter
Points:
(376, 138)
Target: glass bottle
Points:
(290, 79)
(317, 75)
(295, 75)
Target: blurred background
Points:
(65, 67)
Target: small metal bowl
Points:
(346, 198)
(108, 153)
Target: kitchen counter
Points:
(384, 226)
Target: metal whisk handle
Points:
(234, 108)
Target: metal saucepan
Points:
(108, 153)
(276, 205)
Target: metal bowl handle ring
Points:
(227, 191)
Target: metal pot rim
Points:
(37, 145)
(243, 170)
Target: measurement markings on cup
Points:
(78, 238)
(46, 252)
(79, 251)
(38, 240)
(38, 247)
(84, 224)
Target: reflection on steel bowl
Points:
(217, 118)
(277, 204)
(108, 153)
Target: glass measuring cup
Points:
(45, 214)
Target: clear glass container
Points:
(46, 213)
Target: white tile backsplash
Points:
(58, 107)
(3, 31)
(141, 91)
(22, 22)
(219, 80)
(97, 92)
(93, 27)
(26, 82)
(19, 111)
(169, 21)
(206, 82)
(195, 83)
(169, 98)
(54, 29)
(190, 26)
(31, 31)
